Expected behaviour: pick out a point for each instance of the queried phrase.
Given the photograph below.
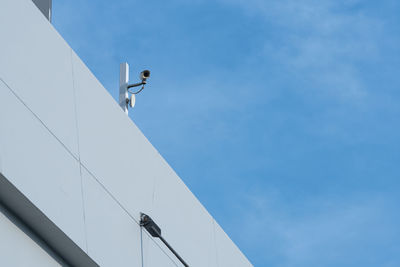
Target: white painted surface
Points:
(36, 64)
(17, 249)
(154, 254)
(60, 118)
(113, 237)
(112, 147)
(186, 224)
(39, 166)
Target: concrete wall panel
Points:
(13, 241)
(36, 64)
(156, 255)
(39, 166)
(55, 118)
(112, 147)
(185, 223)
(113, 237)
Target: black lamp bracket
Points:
(155, 231)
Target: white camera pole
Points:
(123, 86)
(124, 101)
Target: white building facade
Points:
(74, 178)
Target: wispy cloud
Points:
(322, 42)
(301, 95)
(328, 231)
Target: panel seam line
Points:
(79, 151)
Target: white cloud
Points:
(323, 42)
(321, 231)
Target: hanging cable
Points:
(138, 91)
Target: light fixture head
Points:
(150, 225)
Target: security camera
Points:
(127, 98)
(144, 75)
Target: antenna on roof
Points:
(126, 101)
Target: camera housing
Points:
(144, 75)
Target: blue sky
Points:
(282, 117)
